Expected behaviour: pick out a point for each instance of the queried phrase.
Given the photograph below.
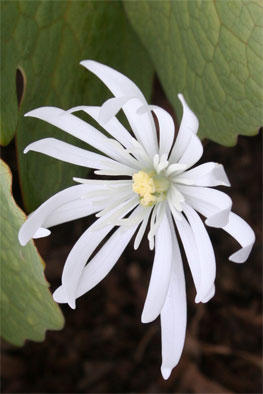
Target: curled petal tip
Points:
(84, 62)
(205, 297)
(21, 237)
(59, 295)
(72, 304)
(166, 372)
(30, 113)
(144, 320)
(197, 299)
(147, 317)
(41, 233)
(22, 241)
(241, 255)
(227, 183)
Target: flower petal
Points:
(111, 107)
(38, 217)
(193, 152)
(121, 86)
(213, 204)
(140, 234)
(81, 252)
(75, 126)
(101, 264)
(71, 211)
(208, 174)
(191, 251)
(166, 127)
(161, 272)
(113, 126)
(142, 125)
(173, 315)
(243, 233)
(188, 129)
(119, 132)
(69, 153)
(77, 259)
(205, 251)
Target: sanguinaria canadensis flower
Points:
(151, 182)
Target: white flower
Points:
(156, 186)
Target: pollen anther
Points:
(150, 187)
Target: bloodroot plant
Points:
(153, 183)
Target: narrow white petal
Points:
(114, 169)
(71, 211)
(75, 126)
(101, 263)
(142, 125)
(37, 218)
(208, 174)
(166, 127)
(243, 233)
(142, 229)
(118, 199)
(119, 132)
(176, 167)
(121, 86)
(103, 182)
(188, 128)
(213, 204)
(132, 220)
(69, 153)
(77, 259)
(173, 315)
(116, 214)
(79, 255)
(193, 152)
(205, 251)
(156, 218)
(113, 126)
(176, 213)
(118, 83)
(176, 198)
(161, 272)
(118, 167)
(124, 155)
(111, 107)
(191, 251)
(105, 259)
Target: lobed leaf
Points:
(211, 51)
(27, 307)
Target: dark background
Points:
(104, 348)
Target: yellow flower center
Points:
(150, 187)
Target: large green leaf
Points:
(27, 307)
(46, 40)
(211, 51)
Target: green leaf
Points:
(27, 307)
(46, 40)
(211, 51)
